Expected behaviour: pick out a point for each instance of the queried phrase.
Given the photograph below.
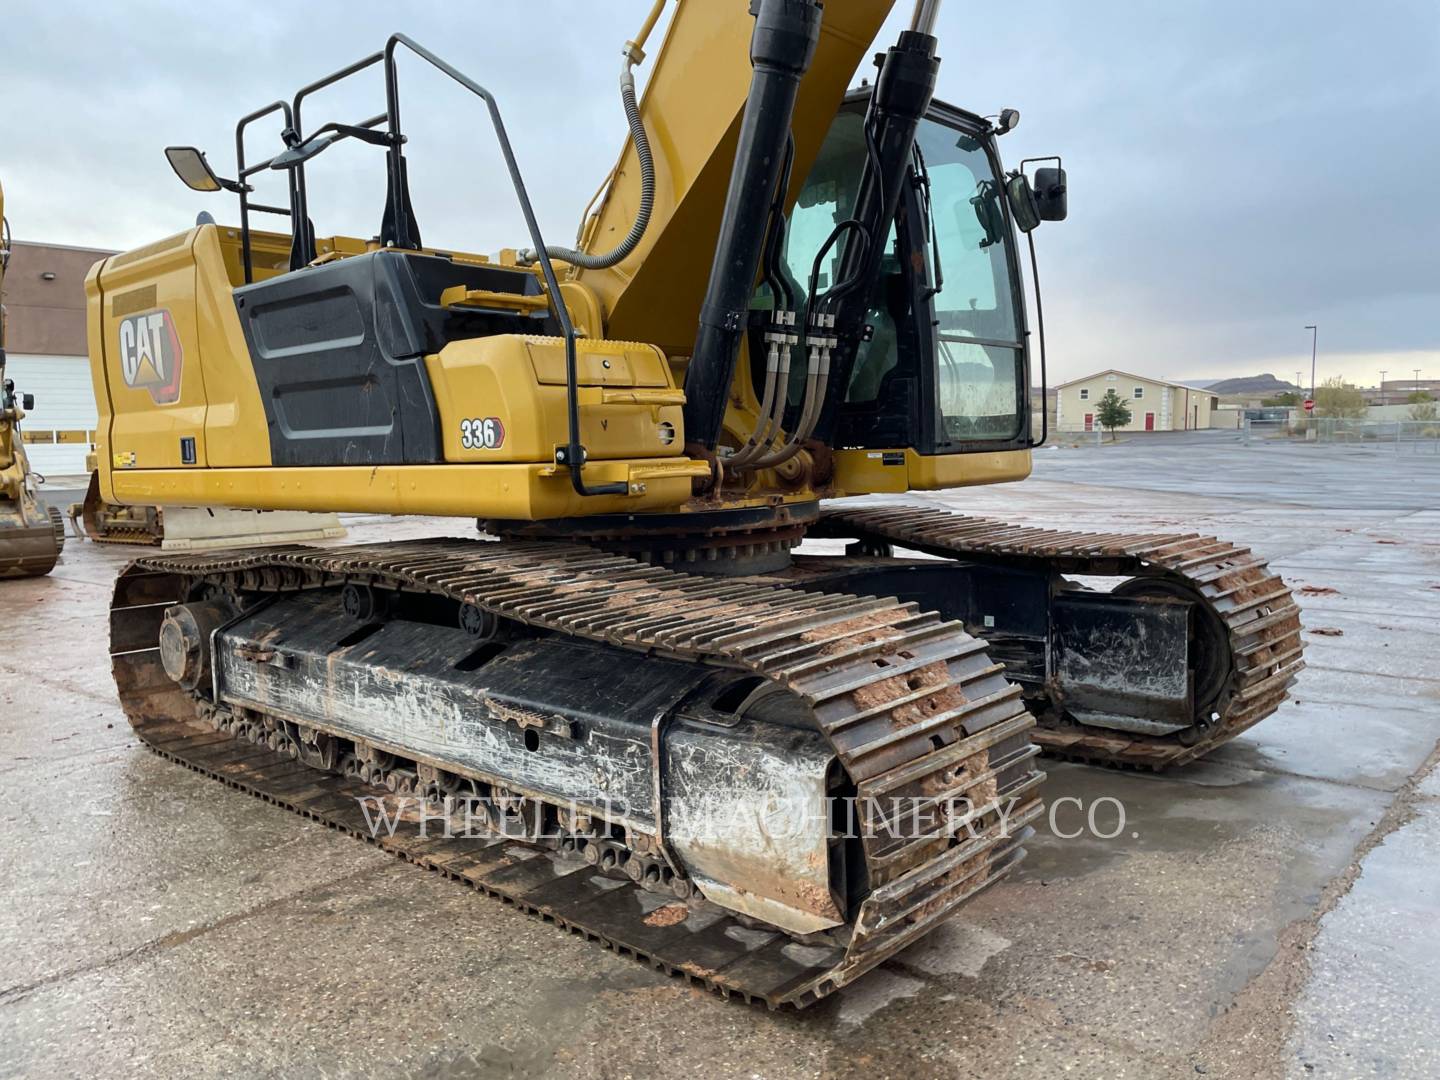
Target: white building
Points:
(1155, 404)
(46, 354)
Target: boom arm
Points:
(692, 109)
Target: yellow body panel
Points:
(630, 411)
(864, 472)
(150, 342)
(188, 276)
(525, 492)
(235, 429)
(521, 383)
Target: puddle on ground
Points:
(954, 948)
(863, 999)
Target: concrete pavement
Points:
(1267, 912)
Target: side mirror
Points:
(1050, 198)
(192, 168)
(1023, 207)
(27, 401)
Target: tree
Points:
(1423, 410)
(1419, 397)
(1112, 412)
(1288, 399)
(1335, 398)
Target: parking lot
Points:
(1267, 912)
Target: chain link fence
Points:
(1417, 436)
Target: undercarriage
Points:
(765, 784)
(1196, 642)
(765, 789)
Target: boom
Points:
(692, 108)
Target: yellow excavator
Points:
(760, 769)
(31, 534)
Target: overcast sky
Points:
(1237, 168)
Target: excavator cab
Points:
(944, 365)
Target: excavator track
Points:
(1260, 620)
(913, 708)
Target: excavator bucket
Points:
(193, 528)
(30, 542)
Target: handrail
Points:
(572, 455)
(303, 232)
(341, 132)
(1040, 325)
(303, 242)
(241, 172)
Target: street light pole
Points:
(1314, 339)
(1417, 380)
(1382, 386)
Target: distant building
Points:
(46, 354)
(1398, 391)
(1155, 404)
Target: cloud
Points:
(1237, 170)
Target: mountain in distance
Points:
(1250, 384)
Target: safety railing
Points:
(399, 229)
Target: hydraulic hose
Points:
(583, 259)
(819, 327)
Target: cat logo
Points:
(150, 356)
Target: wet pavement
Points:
(1268, 912)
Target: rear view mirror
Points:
(1022, 202)
(1049, 192)
(192, 168)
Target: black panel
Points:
(1125, 658)
(1008, 606)
(1117, 661)
(339, 353)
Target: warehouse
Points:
(1155, 404)
(46, 354)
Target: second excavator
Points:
(763, 770)
(32, 534)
